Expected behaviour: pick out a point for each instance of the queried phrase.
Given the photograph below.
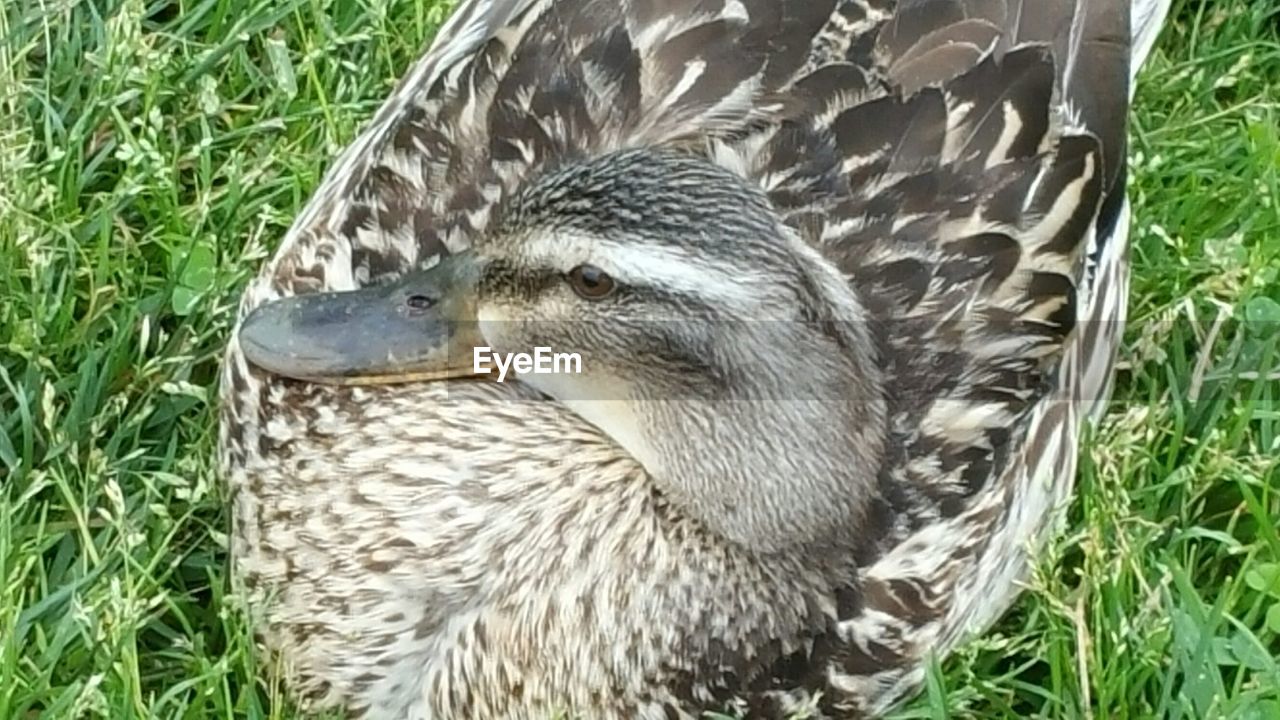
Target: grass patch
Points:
(152, 152)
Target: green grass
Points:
(152, 153)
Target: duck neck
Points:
(786, 459)
(776, 443)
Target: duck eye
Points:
(591, 282)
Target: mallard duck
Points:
(841, 278)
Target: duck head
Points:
(674, 311)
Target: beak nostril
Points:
(420, 302)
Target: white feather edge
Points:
(1037, 496)
(1146, 19)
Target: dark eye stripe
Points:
(506, 278)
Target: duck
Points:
(655, 358)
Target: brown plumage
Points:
(475, 550)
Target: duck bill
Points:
(421, 328)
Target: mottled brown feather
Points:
(948, 156)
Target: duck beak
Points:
(422, 327)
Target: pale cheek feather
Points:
(619, 420)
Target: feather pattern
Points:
(961, 162)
